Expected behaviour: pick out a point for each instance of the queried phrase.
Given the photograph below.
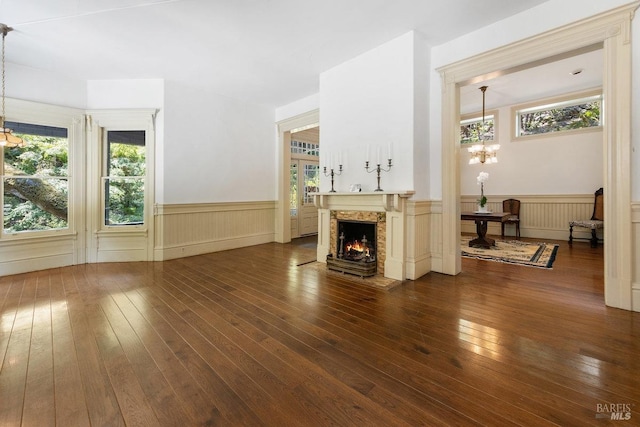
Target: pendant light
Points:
(7, 139)
(481, 153)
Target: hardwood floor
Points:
(250, 337)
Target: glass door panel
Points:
(308, 215)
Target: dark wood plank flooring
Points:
(249, 337)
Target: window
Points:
(124, 178)
(293, 189)
(559, 115)
(472, 131)
(311, 178)
(120, 184)
(306, 148)
(35, 180)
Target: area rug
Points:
(530, 254)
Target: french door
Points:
(304, 183)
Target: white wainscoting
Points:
(418, 242)
(122, 245)
(30, 254)
(192, 229)
(541, 216)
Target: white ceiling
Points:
(536, 82)
(267, 51)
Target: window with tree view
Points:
(560, 116)
(124, 178)
(474, 130)
(35, 180)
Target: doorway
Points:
(286, 129)
(304, 180)
(613, 31)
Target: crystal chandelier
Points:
(7, 139)
(482, 153)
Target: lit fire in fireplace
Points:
(356, 241)
(356, 250)
(356, 246)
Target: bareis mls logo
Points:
(614, 411)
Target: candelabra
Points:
(332, 174)
(378, 169)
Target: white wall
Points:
(368, 102)
(235, 156)
(421, 121)
(30, 84)
(235, 160)
(301, 106)
(142, 93)
(533, 166)
(547, 16)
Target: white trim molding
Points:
(612, 31)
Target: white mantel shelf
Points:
(380, 201)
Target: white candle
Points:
(339, 158)
(389, 151)
(368, 149)
(378, 155)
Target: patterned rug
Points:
(530, 254)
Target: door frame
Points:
(282, 217)
(613, 31)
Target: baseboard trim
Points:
(199, 248)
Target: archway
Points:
(612, 31)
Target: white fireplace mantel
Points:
(392, 203)
(379, 201)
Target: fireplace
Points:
(357, 243)
(355, 250)
(385, 212)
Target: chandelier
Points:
(7, 139)
(482, 153)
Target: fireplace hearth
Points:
(361, 268)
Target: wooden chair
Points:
(595, 223)
(513, 207)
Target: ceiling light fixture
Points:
(481, 153)
(7, 139)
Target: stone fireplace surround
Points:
(387, 209)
